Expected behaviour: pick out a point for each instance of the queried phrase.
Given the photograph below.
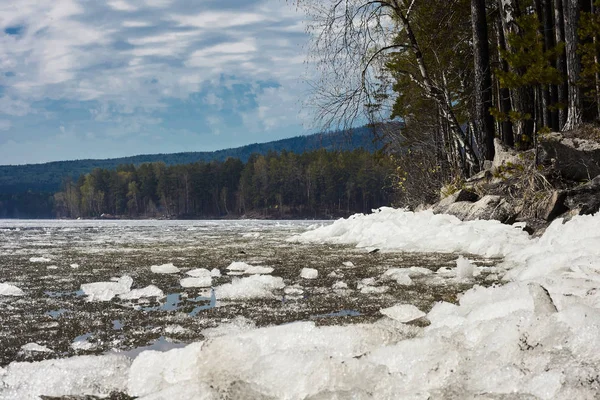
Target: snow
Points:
(196, 282)
(215, 273)
(403, 312)
(164, 269)
(534, 336)
(309, 273)
(7, 289)
(35, 348)
(391, 229)
(105, 291)
(252, 287)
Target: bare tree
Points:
(353, 40)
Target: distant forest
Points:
(317, 184)
(48, 177)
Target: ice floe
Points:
(201, 282)
(252, 287)
(403, 312)
(7, 289)
(35, 348)
(309, 273)
(164, 269)
(105, 291)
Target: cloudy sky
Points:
(109, 78)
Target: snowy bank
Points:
(399, 230)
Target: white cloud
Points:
(121, 5)
(130, 58)
(214, 20)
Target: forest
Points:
(459, 74)
(317, 184)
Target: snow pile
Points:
(148, 291)
(309, 273)
(400, 230)
(164, 269)
(403, 312)
(252, 287)
(244, 268)
(76, 376)
(7, 289)
(105, 291)
(292, 361)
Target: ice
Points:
(339, 285)
(465, 269)
(148, 291)
(74, 266)
(309, 273)
(105, 291)
(215, 273)
(294, 290)
(52, 267)
(76, 376)
(7, 289)
(164, 269)
(403, 312)
(401, 230)
(400, 275)
(196, 282)
(244, 268)
(199, 273)
(535, 336)
(348, 264)
(252, 287)
(40, 260)
(35, 348)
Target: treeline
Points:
(458, 73)
(278, 185)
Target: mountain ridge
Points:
(48, 177)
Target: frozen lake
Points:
(51, 260)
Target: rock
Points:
(553, 207)
(505, 157)
(488, 208)
(585, 198)
(462, 195)
(575, 159)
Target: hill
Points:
(48, 177)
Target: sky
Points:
(110, 78)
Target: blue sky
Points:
(99, 79)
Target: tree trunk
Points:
(508, 136)
(574, 113)
(484, 122)
(439, 95)
(561, 62)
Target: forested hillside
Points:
(312, 184)
(48, 177)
